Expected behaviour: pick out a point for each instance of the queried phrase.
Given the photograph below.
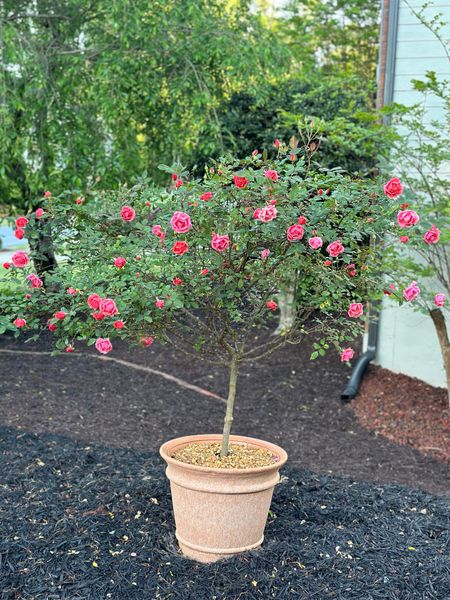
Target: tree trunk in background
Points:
(287, 305)
(442, 333)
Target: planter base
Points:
(220, 512)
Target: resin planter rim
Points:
(184, 441)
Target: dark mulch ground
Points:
(92, 522)
(406, 411)
(287, 399)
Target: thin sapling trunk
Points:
(228, 421)
(444, 342)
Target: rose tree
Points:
(199, 266)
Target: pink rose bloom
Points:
(6, 265)
(157, 230)
(178, 183)
(277, 143)
(393, 187)
(159, 303)
(439, 300)
(220, 242)
(295, 233)
(206, 196)
(51, 326)
(60, 315)
(19, 234)
(204, 272)
(411, 292)
(70, 348)
(128, 213)
(20, 323)
(39, 213)
(98, 316)
(257, 214)
(120, 262)
(404, 239)
(265, 253)
(240, 182)
(271, 174)
(272, 305)
(177, 281)
(301, 220)
(47, 194)
(432, 235)
(355, 310)
(407, 218)
(119, 324)
(20, 259)
(35, 281)
(148, 341)
(71, 291)
(180, 248)
(315, 242)
(180, 222)
(21, 222)
(335, 248)
(267, 213)
(94, 301)
(103, 345)
(108, 307)
(347, 355)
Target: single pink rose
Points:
(178, 183)
(128, 213)
(159, 303)
(301, 220)
(204, 272)
(180, 248)
(118, 324)
(393, 187)
(98, 316)
(271, 305)
(19, 234)
(148, 341)
(39, 213)
(108, 307)
(411, 292)
(157, 230)
(432, 235)
(180, 222)
(240, 182)
(20, 323)
(20, 259)
(355, 310)
(277, 143)
(407, 218)
(120, 262)
(267, 213)
(206, 196)
(257, 214)
(35, 281)
(21, 222)
(295, 233)
(220, 242)
(71, 291)
(94, 301)
(6, 265)
(265, 253)
(51, 326)
(315, 242)
(404, 239)
(439, 300)
(60, 315)
(347, 355)
(103, 345)
(335, 248)
(70, 348)
(177, 281)
(47, 194)
(271, 174)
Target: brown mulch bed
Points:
(286, 399)
(406, 411)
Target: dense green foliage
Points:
(92, 94)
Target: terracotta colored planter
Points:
(220, 512)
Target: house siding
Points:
(407, 342)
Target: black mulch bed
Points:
(287, 399)
(95, 522)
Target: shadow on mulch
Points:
(405, 410)
(286, 399)
(94, 522)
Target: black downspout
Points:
(385, 77)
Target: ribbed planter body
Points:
(220, 512)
